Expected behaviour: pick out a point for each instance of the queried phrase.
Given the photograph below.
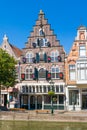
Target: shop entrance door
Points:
(84, 101)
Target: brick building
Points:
(42, 61)
(76, 72)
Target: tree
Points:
(51, 93)
(7, 71)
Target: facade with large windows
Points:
(76, 72)
(42, 60)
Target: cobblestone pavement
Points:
(64, 116)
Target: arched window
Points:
(42, 73)
(29, 57)
(28, 73)
(55, 72)
(41, 32)
(43, 42)
(41, 54)
(54, 56)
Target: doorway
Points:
(84, 101)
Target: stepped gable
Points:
(48, 33)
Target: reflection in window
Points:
(61, 99)
(55, 99)
(47, 99)
(73, 97)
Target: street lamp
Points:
(51, 93)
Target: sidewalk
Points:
(60, 116)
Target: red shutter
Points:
(59, 58)
(24, 60)
(61, 75)
(49, 76)
(49, 59)
(23, 76)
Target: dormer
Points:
(81, 33)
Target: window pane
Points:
(47, 99)
(73, 97)
(42, 73)
(61, 99)
(82, 51)
(57, 88)
(72, 75)
(82, 74)
(52, 75)
(53, 69)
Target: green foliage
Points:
(51, 93)
(7, 69)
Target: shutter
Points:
(49, 59)
(45, 57)
(59, 58)
(24, 60)
(48, 75)
(23, 76)
(34, 45)
(38, 42)
(35, 76)
(48, 44)
(37, 58)
(61, 75)
(34, 60)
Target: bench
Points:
(42, 111)
(17, 109)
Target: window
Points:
(41, 32)
(42, 42)
(54, 56)
(44, 89)
(41, 56)
(73, 97)
(61, 99)
(29, 57)
(72, 72)
(55, 73)
(61, 88)
(37, 89)
(28, 73)
(57, 88)
(47, 99)
(82, 51)
(82, 71)
(42, 73)
(29, 89)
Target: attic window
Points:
(4, 46)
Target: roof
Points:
(81, 27)
(16, 50)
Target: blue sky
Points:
(18, 17)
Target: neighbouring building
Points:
(10, 95)
(76, 72)
(42, 63)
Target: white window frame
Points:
(72, 72)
